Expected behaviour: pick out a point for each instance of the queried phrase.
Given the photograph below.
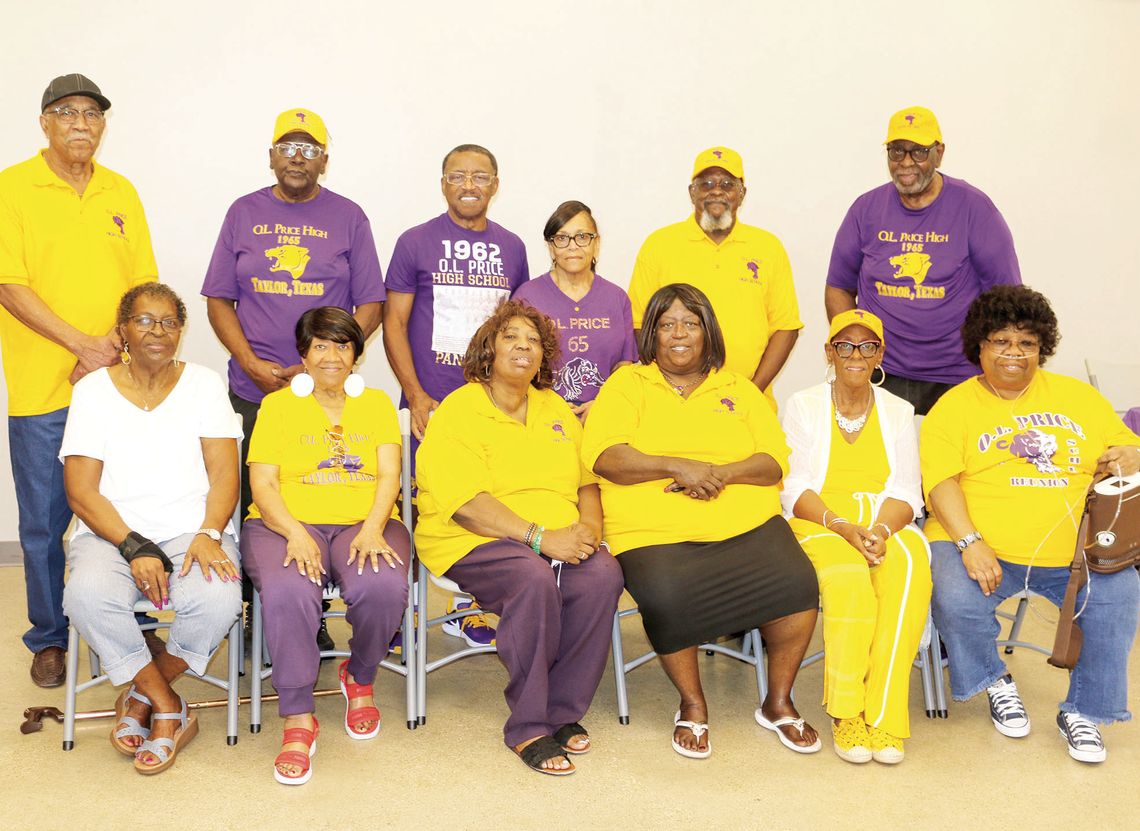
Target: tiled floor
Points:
(455, 772)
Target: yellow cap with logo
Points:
(300, 121)
(916, 124)
(855, 317)
(720, 157)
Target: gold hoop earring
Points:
(882, 376)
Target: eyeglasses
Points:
(146, 323)
(896, 153)
(289, 149)
(845, 349)
(461, 177)
(668, 326)
(581, 239)
(69, 115)
(709, 185)
(1026, 346)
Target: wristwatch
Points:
(968, 540)
(212, 533)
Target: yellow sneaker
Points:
(852, 742)
(885, 748)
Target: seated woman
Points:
(571, 293)
(150, 467)
(854, 492)
(508, 513)
(691, 457)
(324, 464)
(1007, 458)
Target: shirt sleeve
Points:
(266, 445)
(387, 421)
(13, 266)
(402, 267)
(846, 254)
(991, 250)
(763, 424)
(451, 465)
(217, 419)
(614, 417)
(366, 281)
(907, 473)
(629, 342)
(83, 434)
(521, 274)
(221, 273)
(145, 267)
(645, 280)
(942, 451)
(798, 431)
(783, 309)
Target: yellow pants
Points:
(873, 619)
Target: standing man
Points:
(283, 250)
(73, 239)
(743, 270)
(916, 252)
(446, 277)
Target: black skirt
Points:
(690, 593)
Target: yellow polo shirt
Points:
(1024, 465)
(747, 278)
(726, 419)
(327, 472)
(79, 254)
(472, 447)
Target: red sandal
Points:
(356, 716)
(297, 757)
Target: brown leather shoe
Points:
(49, 669)
(154, 643)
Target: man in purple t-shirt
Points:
(916, 252)
(445, 278)
(284, 250)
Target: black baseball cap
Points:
(73, 84)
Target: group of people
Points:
(571, 441)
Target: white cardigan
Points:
(807, 425)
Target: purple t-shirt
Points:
(919, 271)
(458, 277)
(280, 259)
(595, 333)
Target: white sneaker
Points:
(1085, 743)
(1006, 710)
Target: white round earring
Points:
(302, 385)
(829, 374)
(354, 385)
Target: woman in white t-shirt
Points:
(150, 468)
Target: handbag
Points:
(1108, 541)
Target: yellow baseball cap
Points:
(300, 121)
(855, 317)
(720, 157)
(916, 124)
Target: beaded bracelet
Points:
(536, 543)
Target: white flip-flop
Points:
(797, 723)
(699, 728)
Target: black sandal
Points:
(541, 750)
(564, 734)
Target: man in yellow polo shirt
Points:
(73, 238)
(743, 270)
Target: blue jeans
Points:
(1098, 685)
(34, 443)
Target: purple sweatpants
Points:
(554, 632)
(291, 605)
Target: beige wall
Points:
(608, 102)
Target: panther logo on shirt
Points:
(291, 258)
(914, 266)
(573, 378)
(1036, 447)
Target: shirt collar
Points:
(697, 234)
(46, 177)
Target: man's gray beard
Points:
(711, 226)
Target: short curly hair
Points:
(160, 291)
(1017, 306)
(481, 351)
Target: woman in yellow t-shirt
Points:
(854, 492)
(508, 513)
(691, 456)
(324, 465)
(1007, 458)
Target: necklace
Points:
(138, 387)
(680, 388)
(1020, 393)
(851, 425)
(491, 395)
